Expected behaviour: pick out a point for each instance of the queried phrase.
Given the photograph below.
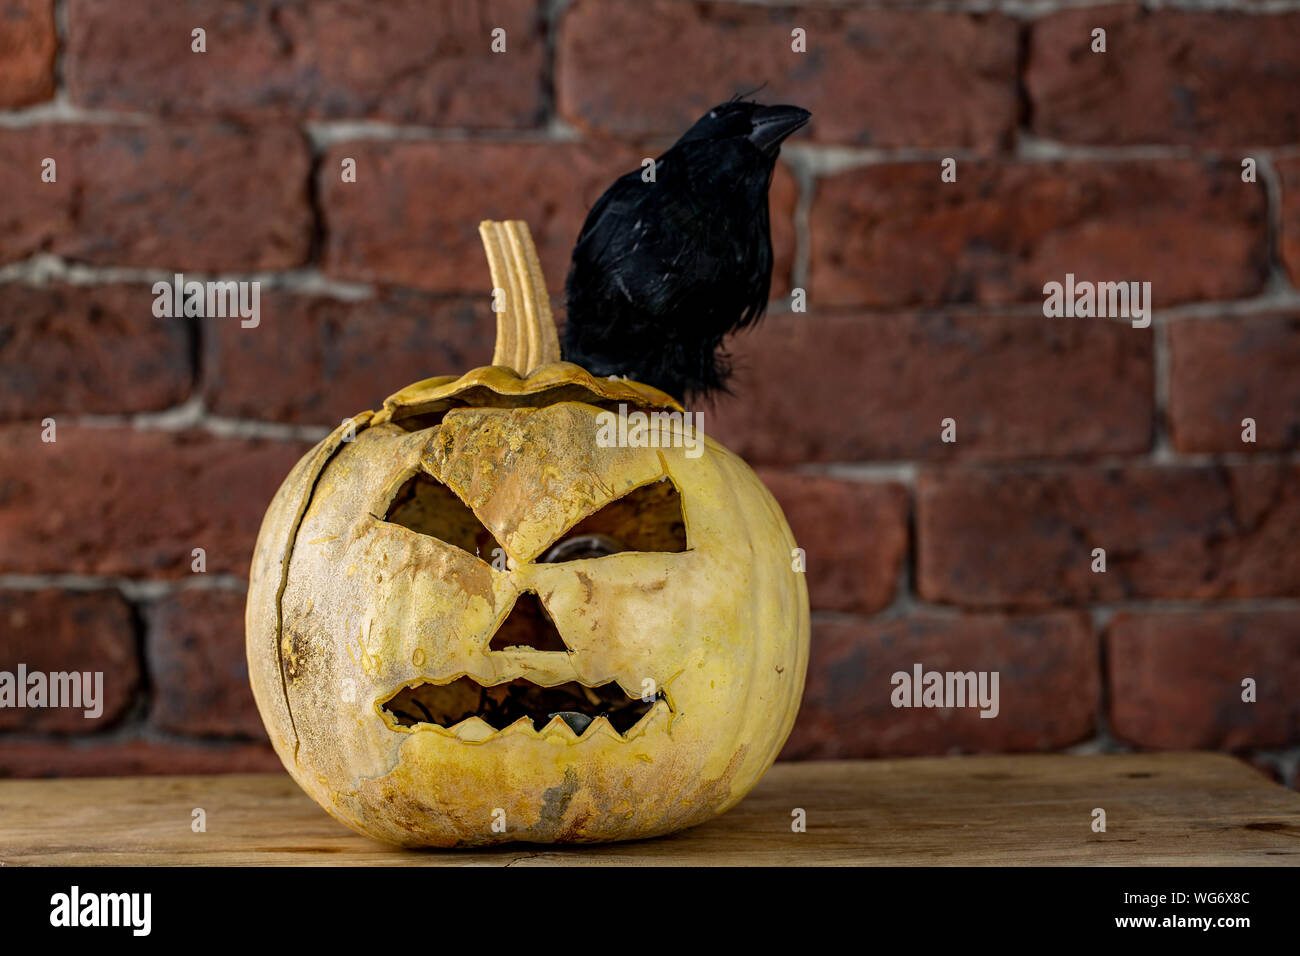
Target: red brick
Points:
(1196, 78)
(317, 360)
(836, 387)
(1225, 370)
(997, 537)
(92, 349)
(894, 234)
(135, 503)
(1288, 171)
(1048, 685)
(871, 77)
(189, 198)
(195, 648)
(69, 631)
(854, 535)
(128, 758)
(412, 216)
(27, 45)
(1176, 678)
(782, 197)
(401, 60)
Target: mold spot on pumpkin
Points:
(555, 802)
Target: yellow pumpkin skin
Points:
(344, 609)
(348, 610)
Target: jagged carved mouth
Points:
(479, 710)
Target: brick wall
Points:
(924, 303)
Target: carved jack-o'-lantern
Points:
(470, 621)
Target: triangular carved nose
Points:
(527, 626)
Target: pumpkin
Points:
(470, 622)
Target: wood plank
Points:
(1183, 808)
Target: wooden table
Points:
(1189, 808)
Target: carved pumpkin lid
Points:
(526, 369)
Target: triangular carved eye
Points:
(430, 507)
(648, 518)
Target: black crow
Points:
(666, 267)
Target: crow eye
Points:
(429, 507)
(713, 114)
(648, 518)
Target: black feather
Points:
(663, 271)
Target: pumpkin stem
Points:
(526, 336)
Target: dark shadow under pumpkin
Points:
(501, 705)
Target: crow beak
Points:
(772, 124)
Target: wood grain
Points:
(1184, 808)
